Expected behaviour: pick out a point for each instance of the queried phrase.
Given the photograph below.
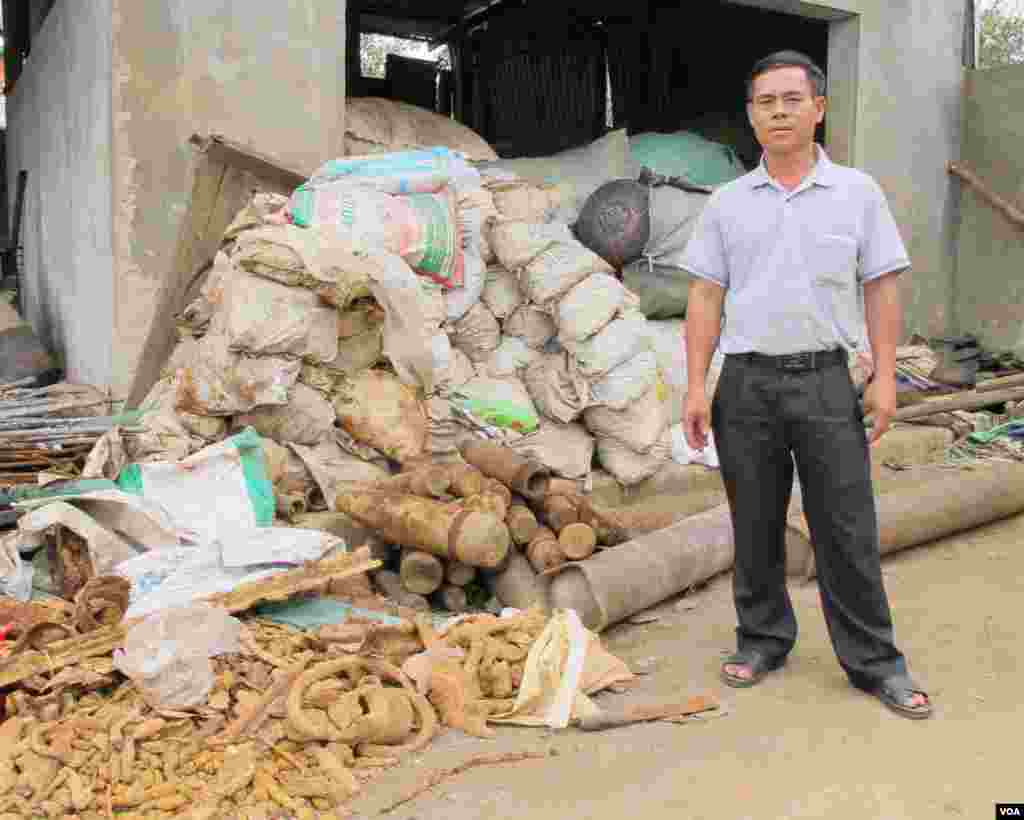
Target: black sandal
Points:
(898, 692)
(759, 663)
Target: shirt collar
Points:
(821, 175)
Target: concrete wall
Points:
(59, 130)
(264, 73)
(896, 78)
(989, 296)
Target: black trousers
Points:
(764, 419)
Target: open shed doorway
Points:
(534, 77)
(685, 67)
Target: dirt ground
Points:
(803, 744)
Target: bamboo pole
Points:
(967, 400)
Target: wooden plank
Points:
(226, 174)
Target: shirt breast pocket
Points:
(835, 261)
(834, 277)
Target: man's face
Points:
(784, 111)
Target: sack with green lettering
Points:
(210, 494)
(423, 228)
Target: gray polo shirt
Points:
(792, 262)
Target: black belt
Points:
(795, 362)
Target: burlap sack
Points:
(550, 276)
(308, 418)
(577, 172)
(531, 324)
(523, 202)
(219, 382)
(617, 342)
(265, 318)
(375, 408)
(638, 426)
(355, 354)
(204, 313)
(626, 383)
(476, 334)
(517, 244)
(257, 213)
(629, 467)
(307, 257)
(565, 449)
(501, 294)
(164, 434)
(331, 467)
(589, 306)
(451, 366)
(374, 125)
(557, 392)
(510, 358)
(482, 200)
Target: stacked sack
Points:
(593, 361)
(320, 326)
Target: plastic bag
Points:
(551, 691)
(667, 339)
(15, 574)
(682, 453)
(220, 489)
(168, 654)
(458, 301)
(402, 172)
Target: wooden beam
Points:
(1013, 214)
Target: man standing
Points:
(782, 252)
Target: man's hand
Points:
(880, 404)
(697, 420)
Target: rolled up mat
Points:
(618, 582)
(929, 502)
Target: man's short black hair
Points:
(788, 59)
